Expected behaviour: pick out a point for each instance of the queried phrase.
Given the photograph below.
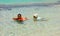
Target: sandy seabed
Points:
(9, 27)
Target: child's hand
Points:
(26, 18)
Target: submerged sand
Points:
(9, 27)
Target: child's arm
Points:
(14, 18)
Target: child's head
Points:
(19, 15)
(35, 15)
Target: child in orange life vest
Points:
(20, 18)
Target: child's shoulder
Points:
(39, 18)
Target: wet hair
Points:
(19, 14)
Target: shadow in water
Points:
(20, 22)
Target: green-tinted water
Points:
(24, 1)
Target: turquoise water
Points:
(24, 1)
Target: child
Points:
(20, 18)
(36, 17)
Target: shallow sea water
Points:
(9, 27)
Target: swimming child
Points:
(37, 18)
(20, 18)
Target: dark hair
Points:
(19, 14)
